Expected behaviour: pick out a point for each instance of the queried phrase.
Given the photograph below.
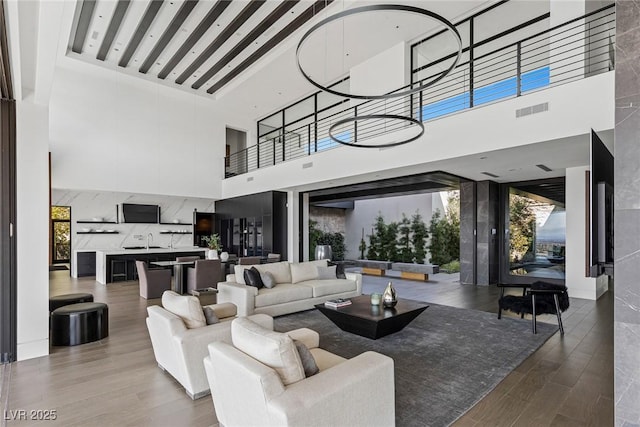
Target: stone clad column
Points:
(627, 215)
(487, 247)
(468, 232)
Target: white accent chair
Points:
(256, 381)
(179, 345)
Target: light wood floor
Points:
(567, 381)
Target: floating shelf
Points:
(176, 223)
(96, 222)
(175, 232)
(98, 232)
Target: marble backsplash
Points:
(94, 205)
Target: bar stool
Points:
(121, 264)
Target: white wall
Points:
(383, 73)
(32, 229)
(579, 285)
(113, 132)
(574, 109)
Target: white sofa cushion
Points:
(239, 271)
(273, 349)
(187, 307)
(303, 271)
(321, 288)
(280, 271)
(284, 292)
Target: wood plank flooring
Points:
(567, 382)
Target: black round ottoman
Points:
(79, 323)
(62, 300)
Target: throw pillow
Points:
(210, 315)
(252, 278)
(308, 362)
(325, 273)
(187, 307)
(273, 349)
(267, 279)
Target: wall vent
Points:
(249, 179)
(544, 167)
(534, 109)
(492, 175)
(307, 165)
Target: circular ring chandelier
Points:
(375, 8)
(354, 119)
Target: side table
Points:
(207, 296)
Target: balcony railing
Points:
(577, 49)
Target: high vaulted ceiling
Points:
(211, 47)
(194, 44)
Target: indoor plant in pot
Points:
(214, 245)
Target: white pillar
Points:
(580, 286)
(32, 203)
(293, 225)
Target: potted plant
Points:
(214, 245)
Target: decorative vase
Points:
(224, 256)
(389, 298)
(213, 254)
(323, 252)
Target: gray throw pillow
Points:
(210, 315)
(267, 279)
(308, 362)
(327, 272)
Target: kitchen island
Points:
(126, 258)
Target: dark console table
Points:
(362, 318)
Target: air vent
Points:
(534, 109)
(544, 167)
(490, 174)
(250, 179)
(307, 165)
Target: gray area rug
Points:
(446, 360)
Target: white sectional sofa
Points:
(297, 288)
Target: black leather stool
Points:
(79, 323)
(66, 299)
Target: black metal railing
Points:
(577, 49)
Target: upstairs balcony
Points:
(529, 57)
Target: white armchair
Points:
(179, 349)
(354, 392)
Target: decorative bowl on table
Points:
(176, 221)
(97, 219)
(99, 231)
(85, 230)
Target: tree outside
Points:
(522, 223)
(444, 245)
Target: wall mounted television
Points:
(141, 214)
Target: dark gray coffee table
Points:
(362, 318)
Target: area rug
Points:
(446, 360)
(58, 267)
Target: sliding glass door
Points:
(535, 231)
